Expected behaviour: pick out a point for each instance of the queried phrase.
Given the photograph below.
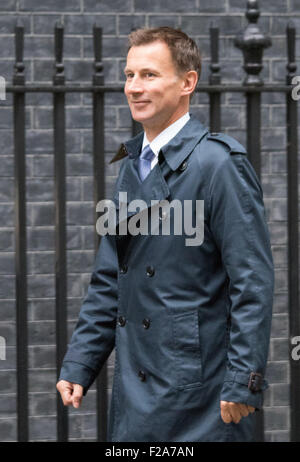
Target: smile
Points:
(140, 103)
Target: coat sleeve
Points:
(94, 336)
(238, 225)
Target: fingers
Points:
(71, 393)
(77, 395)
(65, 389)
(243, 408)
(225, 413)
(234, 412)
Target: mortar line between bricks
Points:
(52, 345)
(138, 13)
(41, 299)
(77, 13)
(286, 406)
(33, 369)
(279, 338)
(55, 415)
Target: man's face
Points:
(153, 87)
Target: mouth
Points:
(140, 103)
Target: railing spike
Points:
(291, 51)
(215, 77)
(98, 77)
(59, 77)
(252, 43)
(19, 67)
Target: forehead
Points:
(156, 54)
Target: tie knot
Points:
(147, 153)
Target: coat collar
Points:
(175, 151)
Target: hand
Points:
(71, 393)
(233, 412)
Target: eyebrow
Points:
(143, 70)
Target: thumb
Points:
(77, 395)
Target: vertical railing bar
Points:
(60, 225)
(253, 104)
(20, 239)
(293, 236)
(252, 43)
(214, 79)
(253, 121)
(99, 194)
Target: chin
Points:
(140, 118)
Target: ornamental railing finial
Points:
(252, 42)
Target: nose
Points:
(134, 86)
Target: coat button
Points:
(142, 376)
(150, 271)
(123, 269)
(183, 166)
(121, 321)
(146, 323)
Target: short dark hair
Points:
(184, 51)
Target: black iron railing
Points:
(252, 43)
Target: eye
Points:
(150, 74)
(129, 75)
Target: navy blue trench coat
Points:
(190, 323)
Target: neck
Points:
(153, 131)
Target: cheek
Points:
(161, 95)
(171, 93)
(125, 90)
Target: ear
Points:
(189, 82)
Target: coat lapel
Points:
(155, 186)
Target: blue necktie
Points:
(145, 159)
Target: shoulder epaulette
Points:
(232, 144)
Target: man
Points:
(190, 323)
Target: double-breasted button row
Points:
(150, 271)
(122, 321)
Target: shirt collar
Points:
(175, 151)
(166, 135)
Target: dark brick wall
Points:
(117, 17)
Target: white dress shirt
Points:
(164, 137)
